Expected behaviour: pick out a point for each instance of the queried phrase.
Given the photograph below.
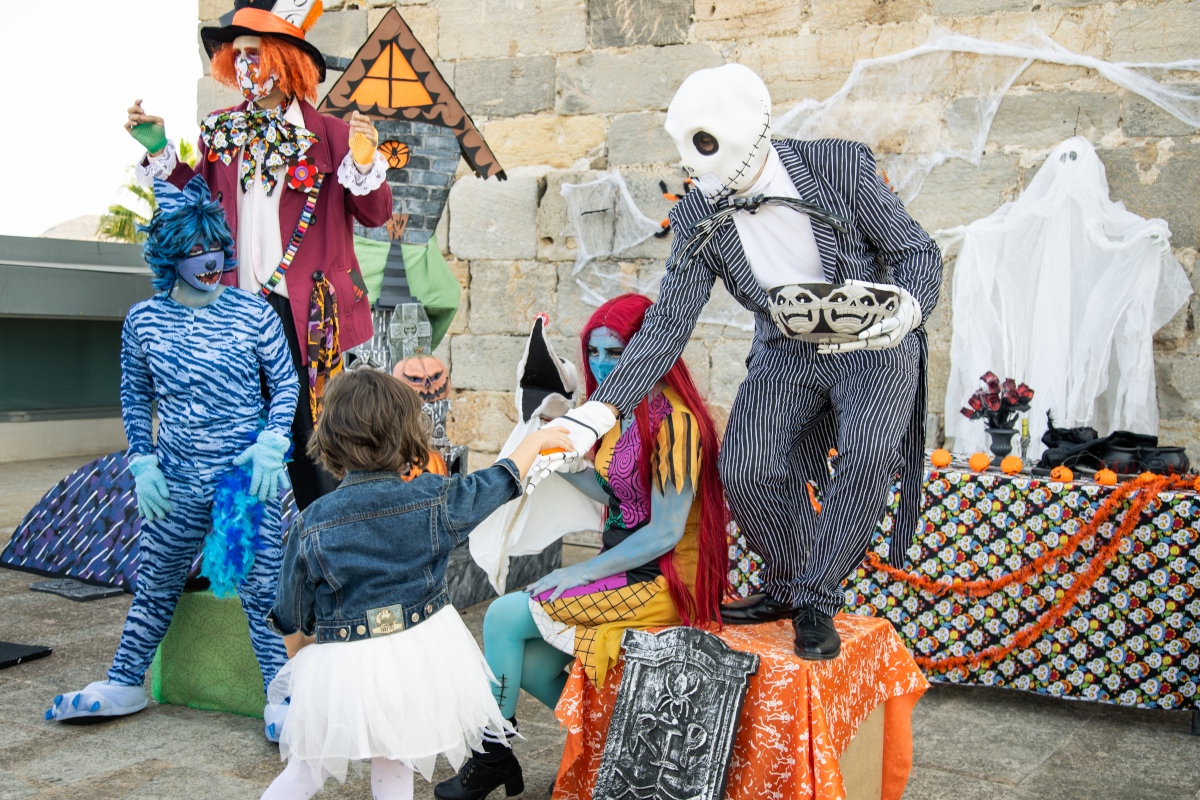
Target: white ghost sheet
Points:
(1062, 289)
(547, 387)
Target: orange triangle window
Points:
(391, 82)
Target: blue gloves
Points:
(150, 486)
(266, 460)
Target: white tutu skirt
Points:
(407, 697)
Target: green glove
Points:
(150, 135)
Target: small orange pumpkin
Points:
(426, 374)
(1011, 465)
(1106, 477)
(1146, 477)
(979, 462)
(940, 458)
(1062, 474)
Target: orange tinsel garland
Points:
(1148, 487)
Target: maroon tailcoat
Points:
(328, 245)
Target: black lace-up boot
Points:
(483, 773)
(816, 637)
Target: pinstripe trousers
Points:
(167, 551)
(778, 434)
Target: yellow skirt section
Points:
(599, 620)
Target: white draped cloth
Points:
(1062, 289)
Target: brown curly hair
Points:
(371, 422)
(296, 73)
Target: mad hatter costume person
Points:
(791, 227)
(291, 187)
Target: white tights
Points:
(390, 780)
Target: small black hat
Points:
(289, 20)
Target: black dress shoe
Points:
(755, 609)
(482, 774)
(816, 637)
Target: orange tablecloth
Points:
(796, 722)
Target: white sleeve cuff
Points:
(160, 166)
(358, 183)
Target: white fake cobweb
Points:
(915, 109)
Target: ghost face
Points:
(604, 349)
(202, 268)
(720, 121)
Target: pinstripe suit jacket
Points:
(884, 245)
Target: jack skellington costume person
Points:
(811, 221)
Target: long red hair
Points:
(297, 74)
(624, 316)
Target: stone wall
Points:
(564, 89)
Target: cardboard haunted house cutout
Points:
(423, 131)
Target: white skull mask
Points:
(720, 121)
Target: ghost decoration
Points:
(1063, 289)
(547, 387)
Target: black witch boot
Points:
(483, 773)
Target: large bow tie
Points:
(263, 135)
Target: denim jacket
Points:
(369, 558)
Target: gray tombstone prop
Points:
(675, 719)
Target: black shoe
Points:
(816, 637)
(755, 609)
(484, 773)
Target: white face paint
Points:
(720, 121)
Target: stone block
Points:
(640, 139)
(976, 8)
(442, 231)
(828, 15)
(212, 9)
(508, 28)
(814, 66)
(211, 96)
(958, 192)
(1178, 378)
(728, 370)
(747, 20)
(205, 64)
(1140, 117)
(1159, 179)
(340, 33)
(482, 420)
(648, 196)
(507, 87)
(1043, 119)
(698, 362)
(421, 19)
(647, 78)
(485, 363)
(632, 23)
(491, 219)
(1160, 32)
(507, 295)
(1181, 433)
(481, 460)
(545, 140)
(555, 236)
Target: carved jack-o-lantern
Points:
(426, 374)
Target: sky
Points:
(70, 76)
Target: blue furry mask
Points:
(187, 232)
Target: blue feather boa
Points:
(229, 548)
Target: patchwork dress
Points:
(589, 621)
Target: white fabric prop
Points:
(546, 388)
(604, 219)
(1062, 289)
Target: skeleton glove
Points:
(886, 333)
(584, 425)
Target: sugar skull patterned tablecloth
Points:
(1132, 638)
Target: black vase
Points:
(1001, 443)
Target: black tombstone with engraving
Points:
(675, 719)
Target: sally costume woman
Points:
(664, 555)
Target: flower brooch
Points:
(301, 174)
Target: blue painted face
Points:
(202, 269)
(603, 351)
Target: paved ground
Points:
(969, 744)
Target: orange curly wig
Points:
(297, 74)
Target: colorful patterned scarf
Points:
(268, 139)
(324, 350)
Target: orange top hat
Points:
(289, 20)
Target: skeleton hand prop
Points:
(584, 425)
(886, 333)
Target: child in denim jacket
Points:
(394, 675)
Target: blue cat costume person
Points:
(196, 348)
